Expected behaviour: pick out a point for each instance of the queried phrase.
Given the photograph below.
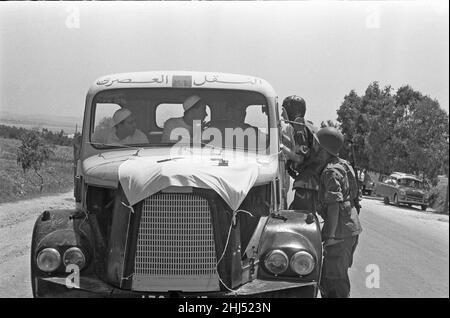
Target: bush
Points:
(15, 184)
(55, 138)
(437, 196)
(32, 154)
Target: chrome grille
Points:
(416, 198)
(175, 244)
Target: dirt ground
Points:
(16, 226)
(408, 246)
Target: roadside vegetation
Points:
(402, 130)
(30, 176)
(438, 194)
(53, 138)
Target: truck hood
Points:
(144, 172)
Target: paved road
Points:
(410, 248)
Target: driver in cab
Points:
(194, 113)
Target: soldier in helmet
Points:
(300, 153)
(336, 206)
(296, 136)
(288, 143)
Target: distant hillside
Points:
(54, 123)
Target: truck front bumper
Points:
(92, 287)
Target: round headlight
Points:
(402, 192)
(276, 262)
(302, 263)
(48, 260)
(75, 256)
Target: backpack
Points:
(303, 132)
(352, 183)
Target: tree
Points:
(404, 131)
(33, 153)
(380, 145)
(354, 126)
(421, 125)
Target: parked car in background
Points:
(402, 188)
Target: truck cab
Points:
(202, 213)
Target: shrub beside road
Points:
(438, 194)
(16, 184)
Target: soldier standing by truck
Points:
(337, 193)
(301, 166)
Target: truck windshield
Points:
(167, 116)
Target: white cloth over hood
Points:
(141, 177)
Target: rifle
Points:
(353, 164)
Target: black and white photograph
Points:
(225, 150)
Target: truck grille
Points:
(175, 246)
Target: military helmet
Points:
(330, 139)
(295, 106)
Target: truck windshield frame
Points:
(222, 107)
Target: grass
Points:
(16, 184)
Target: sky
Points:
(50, 53)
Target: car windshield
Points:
(410, 183)
(140, 117)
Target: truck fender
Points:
(291, 231)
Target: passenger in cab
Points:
(124, 131)
(194, 111)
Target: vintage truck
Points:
(196, 217)
(402, 188)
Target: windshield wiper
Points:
(116, 146)
(112, 145)
(169, 159)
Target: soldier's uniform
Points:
(338, 258)
(298, 137)
(287, 133)
(306, 181)
(306, 186)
